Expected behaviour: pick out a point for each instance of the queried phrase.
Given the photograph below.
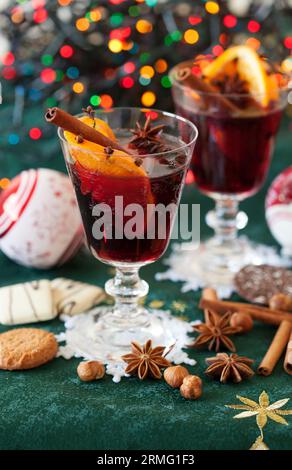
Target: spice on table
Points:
(145, 360)
(276, 349)
(241, 320)
(90, 370)
(281, 302)
(263, 314)
(288, 356)
(174, 375)
(229, 367)
(215, 332)
(191, 388)
(208, 293)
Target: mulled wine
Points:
(233, 153)
(162, 187)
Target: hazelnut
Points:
(191, 388)
(174, 375)
(90, 370)
(281, 302)
(241, 320)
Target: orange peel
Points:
(250, 68)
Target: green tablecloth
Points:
(49, 408)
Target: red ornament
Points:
(279, 210)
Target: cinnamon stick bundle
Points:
(70, 123)
(276, 349)
(288, 356)
(266, 315)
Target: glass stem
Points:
(127, 289)
(225, 226)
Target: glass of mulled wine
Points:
(122, 199)
(237, 129)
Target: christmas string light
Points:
(117, 52)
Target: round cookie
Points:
(259, 283)
(26, 348)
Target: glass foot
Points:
(120, 331)
(88, 336)
(217, 263)
(211, 265)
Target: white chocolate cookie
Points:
(73, 297)
(28, 302)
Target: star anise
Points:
(147, 139)
(231, 84)
(215, 332)
(229, 367)
(145, 360)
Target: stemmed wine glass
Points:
(115, 184)
(230, 163)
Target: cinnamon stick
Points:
(70, 123)
(266, 315)
(288, 356)
(208, 294)
(185, 76)
(276, 348)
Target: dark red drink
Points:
(232, 154)
(162, 187)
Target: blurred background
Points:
(112, 53)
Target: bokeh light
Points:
(13, 139)
(217, 50)
(35, 133)
(64, 3)
(212, 8)
(287, 65)
(95, 15)
(8, 59)
(115, 45)
(40, 15)
(9, 73)
(48, 75)
(66, 51)
(78, 87)
(147, 71)
(148, 98)
(253, 26)
(160, 66)
(95, 100)
(17, 15)
(230, 21)
(127, 82)
(82, 24)
(106, 101)
(191, 36)
(144, 26)
(254, 43)
(129, 67)
(4, 183)
(288, 42)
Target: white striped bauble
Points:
(40, 224)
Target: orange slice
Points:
(117, 164)
(93, 157)
(250, 68)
